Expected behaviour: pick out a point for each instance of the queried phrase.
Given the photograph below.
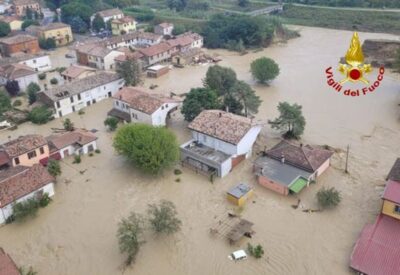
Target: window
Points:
(79, 96)
(41, 149)
(117, 103)
(397, 209)
(32, 155)
(134, 116)
(72, 99)
(73, 108)
(34, 61)
(166, 106)
(16, 160)
(58, 104)
(59, 113)
(162, 107)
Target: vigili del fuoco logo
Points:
(354, 71)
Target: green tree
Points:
(28, 23)
(76, 9)
(197, 100)
(12, 87)
(32, 90)
(98, 23)
(264, 69)
(68, 125)
(291, 120)
(47, 44)
(257, 251)
(111, 122)
(150, 148)
(178, 29)
(4, 29)
(78, 25)
(54, 168)
(29, 14)
(25, 209)
(243, 3)
(163, 217)
(40, 115)
(5, 102)
(220, 79)
(130, 71)
(247, 97)
(130, 236)
(328, 198)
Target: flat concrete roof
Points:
(206, 152)
(278, 171)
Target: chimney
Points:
(282, 159)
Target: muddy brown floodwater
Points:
(75, 234)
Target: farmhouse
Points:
(25, 151)
(74, 72)
(76, 142)
(123, 26)
(81, 93)
(17, 184)
(156, 53)
(134, 104)
(19, 43)
(23, 74)
(60, 32)
(164, 29)
(220, 141)
(289, 168)
(109, 14)
(96, 56)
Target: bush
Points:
(5, 102)
(42, 76)
(97, 151)
(54, 81)
(40, 115)
(111, 122)
(177, 172)
(150, 148)
(44, 200)
(81, 112)
(178, 180)
(77, 159)
(47, 44)
(17, 103)
(163, 217)
(54, 168)
(32, 90)
(257, 252)
(91, 154)
(28, 208)
(328, 198)
(68, 125)
(12, 87)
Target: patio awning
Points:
(298, 185)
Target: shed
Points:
(239, 194)
(157, 71)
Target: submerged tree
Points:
(264, 69)
(220, 79)
(130, 71)
(68, 125)
(247, 97)
(111, 122)
(152, 149)
(328, 198)
(197, 100)
(163, 217)
(130, 236)
(291, 120)
(54, 168)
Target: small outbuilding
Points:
(240, 194)
(157, 71)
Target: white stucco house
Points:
(108, 15)
(76, 142)
(220, 141)
(39, 62)
(17, 184)
(133, 39)
(23, 74)
(164, 28)
(135, 104)
(81, 93)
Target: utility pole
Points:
(347, 158)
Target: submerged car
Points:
(238, 255)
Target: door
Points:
(66, 153)
(109, 94)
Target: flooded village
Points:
(236, 181)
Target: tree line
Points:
(349, 3)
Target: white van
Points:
(238, 255)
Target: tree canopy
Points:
(328, 197)
(98, 23)
(4, 29)
(291, 120)
(163, 217)
(5, 102)
(197, 100)
(32, 90)
(220, 79)
(246, 96)
(264, 69)
(151, 149)
(40, 115)
(130, 71)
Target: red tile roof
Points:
(16, 182)
(181, 41)
(155, 49)
(78, 136)
(377, 251)
(7, 265)
(222, 125)
(141, 100)
(23, 144)
(75, 71)
(15, 71)
(305, 157)
(4, 159)
(392, 191)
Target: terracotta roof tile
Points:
(305, 157)
(23, 144)
(14, 71)
(74, 71)
(78, 136)
(155, 49)
(141, 100)
(222, 125)
(7, 265)
(16, 182)
(19, 38)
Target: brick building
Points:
(19, 43)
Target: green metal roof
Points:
(298, 185)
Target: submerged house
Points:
(220, 141)
(289, 168)
(17, 184)
(134, 104)
(377, 250)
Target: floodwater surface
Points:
(76, 233)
